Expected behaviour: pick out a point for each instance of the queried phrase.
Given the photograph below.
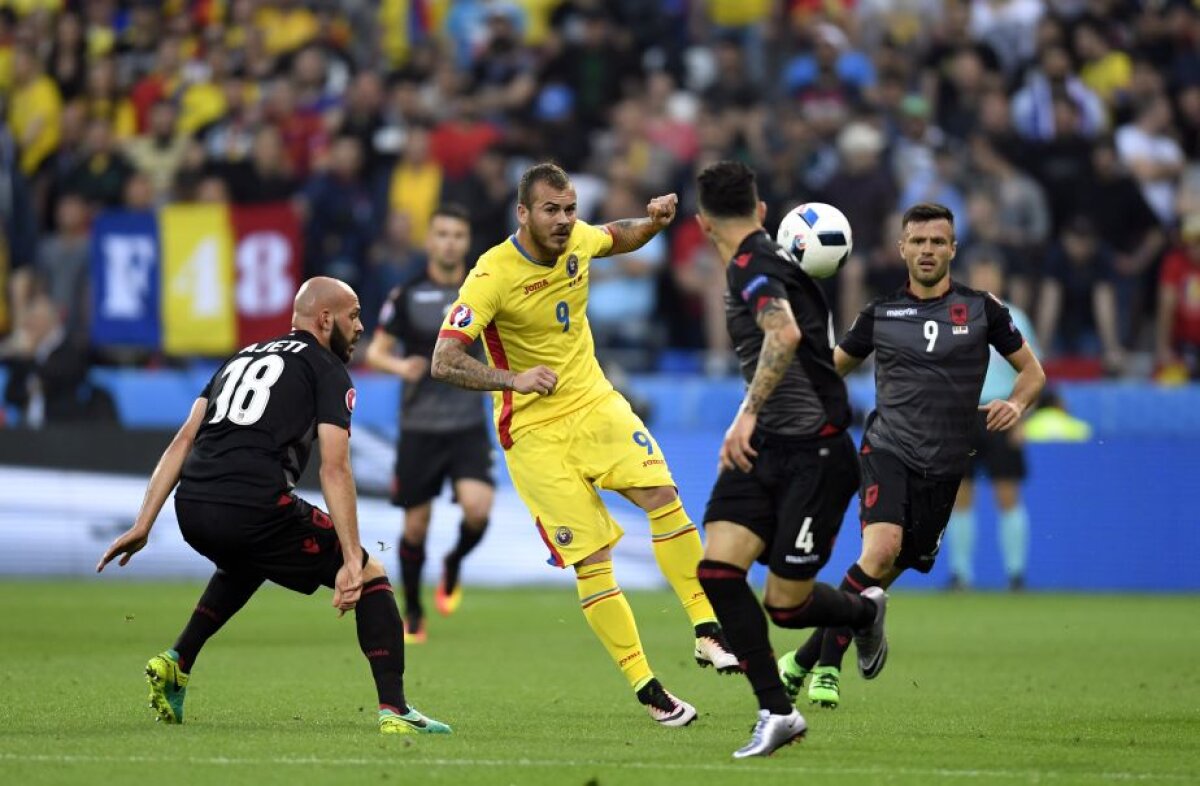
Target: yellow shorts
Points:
(556, 469)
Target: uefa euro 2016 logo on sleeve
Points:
(461, 316)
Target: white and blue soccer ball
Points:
(819, 236)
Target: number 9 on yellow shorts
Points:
(557, 467)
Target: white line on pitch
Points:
(747, 768)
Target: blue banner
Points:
(125, 280)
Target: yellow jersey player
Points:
(564, 430)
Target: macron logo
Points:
(901, 312)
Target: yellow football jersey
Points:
(532, 314)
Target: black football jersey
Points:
(811, 398)
(931, 357)
(413, 314)
(264, 405)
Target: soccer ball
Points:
(819, 236)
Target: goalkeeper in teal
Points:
(1000, 454)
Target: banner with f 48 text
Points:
(194, 279)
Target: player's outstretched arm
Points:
(381, 357)
(452, 364)
(162, 482)
(1003, 414)
(781, 336)
(630, 234)
(337, 484)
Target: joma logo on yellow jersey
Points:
(534, 287)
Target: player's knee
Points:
(783, 599)
(655, 498)
(881, 549)
(373, 570)
(475, 512)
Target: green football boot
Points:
(825, 688)
(168, 686)
(792, 674)
(411, 722)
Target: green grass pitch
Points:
(979, 689)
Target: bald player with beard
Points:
(236, 461)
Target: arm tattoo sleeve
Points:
(630, 234)
(779, 347)
(452, 365)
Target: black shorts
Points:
(424, 460)
(998, 453)
(794, 499)
(894, 494)
(293, 544)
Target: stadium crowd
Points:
(1065, 135)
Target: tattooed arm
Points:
(630, 234)
(452, 365)
(781, 337)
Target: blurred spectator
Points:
(913, 149)
(1007, 26)
(1077, 311)
(392, 261)
(340, 211)
(1035, 115)
(35, 110)
(305, 138)
(288, 25)
(1061, 162)
(1177, 326)
(1153, 156)
(68, 56)
(158, 83)
(594, 65)
(963, 89)
(1114, 203)
(866, 193)
(462, 136)
(503, 76)
(63, 264)
(416, 183)
(159, 152)
(1020, 221)
(231, 137)
(18, 233)
(941, 186)
(698, 294)
(135, 48)
(210, 189)
(946, 75)
(1106, 70)
(362, 117)
(833, 73)
(625, 150)
(138, 193)
(743, 23)
(800, 162)
(621, 289)
(47, 373)
(488, 195)
(265, 176)
(104, 100)
(99, 176)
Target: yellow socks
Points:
(608, 613)
(678, 550)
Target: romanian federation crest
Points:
(563, 535)
(572, 266)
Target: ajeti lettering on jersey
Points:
(283, 345)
